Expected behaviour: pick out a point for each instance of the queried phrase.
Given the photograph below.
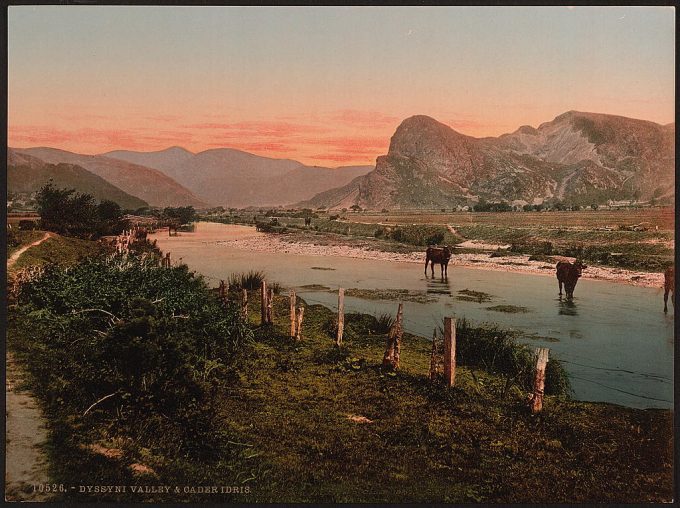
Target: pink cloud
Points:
(259, 128)
(354, 117)
(163, 118)
(263, 146)
(44, 135)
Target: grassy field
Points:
(309, 422)
(16, 239)
(587, 219)
(60, 250)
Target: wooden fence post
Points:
(298, 327)
(244, 304)
(293, 317)
(449, 351)
(270, 304)
(221, 290)
(539, 380)
(433, 357)
(263, 303)
(393, 350)
(341, 316)
(399, 333)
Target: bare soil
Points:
(25, 436)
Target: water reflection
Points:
(567, 307)
(438, 285)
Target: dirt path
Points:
(14, 257)
(25, 435)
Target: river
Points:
(614, 339)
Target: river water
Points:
(614, 339)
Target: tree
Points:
(183, 214)
(594, 206)
(109, 210)
(66, 212)
(356, 208)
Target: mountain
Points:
(229, 177)
(166, 161)
(146, 183)
(578, 157)
(27, 174)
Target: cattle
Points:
(568, 274)
(440, 255)
(668, 287)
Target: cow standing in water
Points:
(568, 274)
(440, 255)
(668, 287)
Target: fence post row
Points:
(341, 316)
(244, 304)
(539, 380)
(270, 303)
(293, 317)
(263, 303)
(299, 317)
(393, 350)
(449, 351)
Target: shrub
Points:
(498, 351)
(397, 234)
(435, 239)
(27, 225)
(383, 323)
(248, 280)
(137, 339)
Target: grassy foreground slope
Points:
(201, 401)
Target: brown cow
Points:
(568, 274)
(440, 255)
(668, 286)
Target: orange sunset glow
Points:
(325, 86)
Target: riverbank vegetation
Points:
(148, 379)
(629, 239)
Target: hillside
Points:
(148, 184)
(578, 157)
(229, 177)
(26, 174)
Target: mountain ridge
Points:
(27, 174)
(148, 184)
(579, 157)
(232, 177)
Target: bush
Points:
(497, 351)
(27, 225)
(435, 239)
(135, 339)
(249, 280)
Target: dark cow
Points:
(568, 274)
(440, 255)
(668, 287)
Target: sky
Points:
(326, 86)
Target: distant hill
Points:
(27, 174)
(229, 177)
(149, 184)
(581, 158)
